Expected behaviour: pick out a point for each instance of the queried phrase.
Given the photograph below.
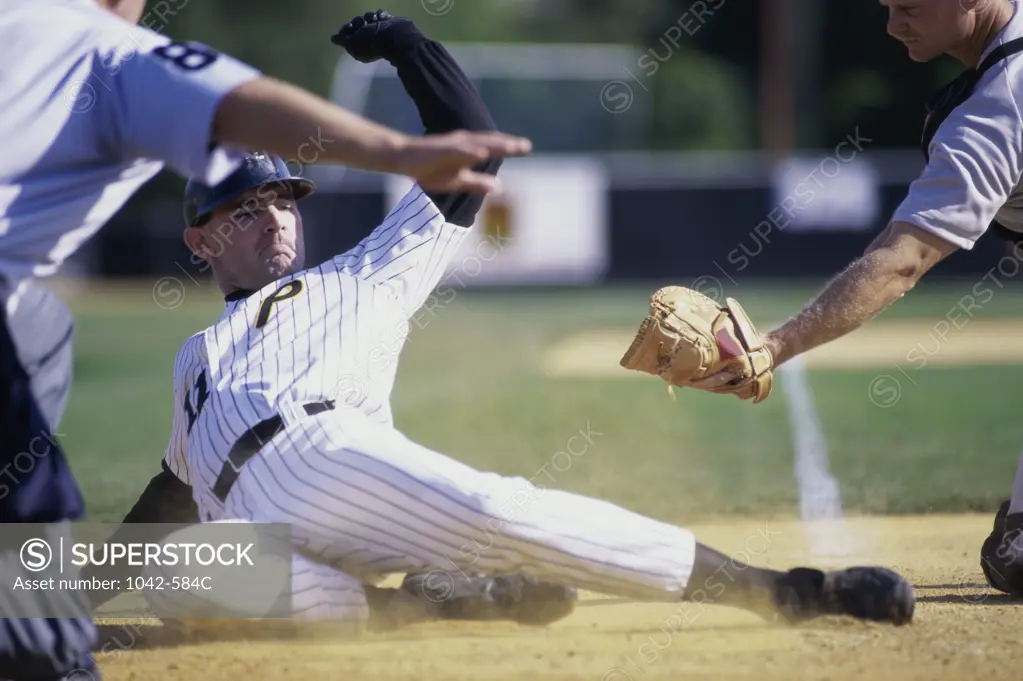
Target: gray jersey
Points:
(93, 108)
(976, 157)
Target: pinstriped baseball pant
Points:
(370, 502)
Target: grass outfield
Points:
(474, 383)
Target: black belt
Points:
(249, 444)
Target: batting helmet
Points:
(258, 169)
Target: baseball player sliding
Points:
(445, 101)
(970, 185)
(282, 411)
(93, 108)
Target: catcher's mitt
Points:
(688, 338)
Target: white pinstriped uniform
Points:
(364, 500)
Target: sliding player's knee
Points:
(506, 499)
(506, 513)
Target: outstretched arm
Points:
(196, 109)
(268, 114)
(974, 165)
(446, 101)
(442, 93)
(410, 251)
(891, 266)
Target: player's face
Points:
(254, 240)
(931, 28)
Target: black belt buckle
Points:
(251, 441)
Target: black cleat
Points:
(532, 602)
(867, 593)
(516, 598)
(1002, 566)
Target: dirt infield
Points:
(962, 629)
(911, 344)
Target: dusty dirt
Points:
(962, 629)
(911, 344)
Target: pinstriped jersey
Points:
(94, 107)
(328, 332)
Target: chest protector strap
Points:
(955, 93)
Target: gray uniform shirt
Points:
(976, 158)
(94, 107)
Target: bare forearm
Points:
(850, 300)
(282, 119)
(892, 265)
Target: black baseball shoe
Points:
(867, 593)
(516, 598)
(1003, 566)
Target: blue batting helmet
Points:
(257, 170)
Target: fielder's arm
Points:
(451, 111)
(890, 268)
(974, 166)
(269, 114)
(198, 109)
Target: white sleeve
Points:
(161, 98)
(974, 167)
(409, 252)
(176, 454)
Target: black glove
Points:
(377, 35)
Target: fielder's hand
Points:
(691, 341)
(377, 35)
(445, 162)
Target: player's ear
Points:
(197, 241)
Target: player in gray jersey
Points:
(971, 186)
(282, 411)
(93, 107)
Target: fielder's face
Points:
(931, 28)
(253, 240)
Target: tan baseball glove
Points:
(690, 340)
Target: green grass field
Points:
(471, 384)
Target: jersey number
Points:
(289, 290)
(202, 392)
(187, 56)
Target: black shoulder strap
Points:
(955, 93)
(958, 91)
(999, 53)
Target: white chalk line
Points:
(820, 502)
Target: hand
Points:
(376, 35)
(729, 381)
(751, 378)
(738, 380)
(692, 341)
(444, 163)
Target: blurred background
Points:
(743, 148)
(748, 148)
(678, 126)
